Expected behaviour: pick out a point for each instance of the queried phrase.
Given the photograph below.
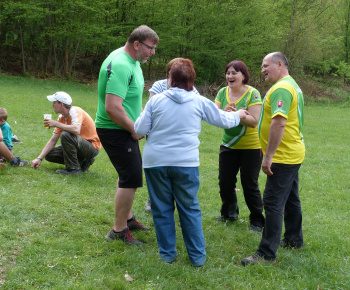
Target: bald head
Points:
(274, 67)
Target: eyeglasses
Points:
(150, 47)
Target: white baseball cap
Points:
(61, 97)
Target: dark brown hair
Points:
(239, 66)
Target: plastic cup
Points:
(47, 117)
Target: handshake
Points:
(241, 112)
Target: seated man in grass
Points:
(79, 141)
(8, 156)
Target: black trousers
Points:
(248, 162)
(281, 198)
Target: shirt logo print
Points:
(279, 104)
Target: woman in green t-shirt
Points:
(240, 149)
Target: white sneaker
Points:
(148, 206)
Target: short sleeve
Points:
(281, 100)
(255, 98)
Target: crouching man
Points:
(79, 141)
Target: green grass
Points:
(52, 228)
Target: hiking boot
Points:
(86, 164)
(135, 225)
(285, 243)
(2, 166)
(255, 228)
(148, 206)
(15, 139)
(124, 235)
(68, 172)
(18, 162)
(257, 258)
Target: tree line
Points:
(72, 37)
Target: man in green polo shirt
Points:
(120, 88)
(280, 125)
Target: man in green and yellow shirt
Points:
(280, 125)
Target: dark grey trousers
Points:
(281, 201)
(72, 152)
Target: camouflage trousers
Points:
(72, 152)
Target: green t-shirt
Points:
(119, 75)
(240, 137)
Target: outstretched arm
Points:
(48, 147)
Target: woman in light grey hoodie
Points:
(172, 121)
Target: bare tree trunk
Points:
(290, 35)
(22, 48)
(347, 25)
(66, 70)
(74, 57)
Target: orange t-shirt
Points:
(77, 116)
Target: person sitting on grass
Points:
(8, 156)
(6, 140)
(79, 141)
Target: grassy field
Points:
(52, 227)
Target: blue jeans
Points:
(168, 185)
(281, 199)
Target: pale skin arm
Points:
(229, 108)
(48, 147)
(277, 127)
(118, 115)
(243, 114)
(252, 119)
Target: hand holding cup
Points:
(47, 117)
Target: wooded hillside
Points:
(72, 38)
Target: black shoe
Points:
(256, 258)
(135, 225)
(86, 164)
(69, 172)
(18, 162)
(233, 212)
(225, 219)
(221, 219)
(15, 140)
(124, 235)
(285, 243)
(233, 218)
(255, 228)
